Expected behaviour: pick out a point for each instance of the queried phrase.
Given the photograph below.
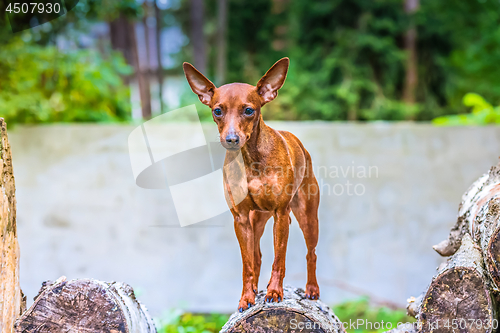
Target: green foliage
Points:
(482, 113)
(461, 38)
(346, 60)
(178, 322)
(42, 84)
(361, 312)
(254, 38)
(348, 57)
(78, 19)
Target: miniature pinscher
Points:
(279, 176)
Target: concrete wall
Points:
(80, 213)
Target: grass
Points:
(359, 315)
(178, 322)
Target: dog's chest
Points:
(268, 186)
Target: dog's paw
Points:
(246, 302)
(312, 291)
(274, 295)
(255, 289)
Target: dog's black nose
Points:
(232, 139)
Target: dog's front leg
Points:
(244, 233)
(280, 231)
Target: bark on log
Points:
(479, 216)
(295, 313)
(10, 292)
(460, 296)
(85, 305)
(482, 190)
(486, 233)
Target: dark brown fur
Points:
(279, 176)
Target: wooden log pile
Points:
(463, 294)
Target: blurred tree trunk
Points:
(197, 36)
(142, 77)
(221, 42)
(159, 71)
(120, 41)
(122, 34)
(147, 63)
(410, 42)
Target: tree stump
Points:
(11, 299)
(85, 305)
(295, 313)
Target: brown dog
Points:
(279, 177)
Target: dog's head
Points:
(236, 106)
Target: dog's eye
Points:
(217, 112)
(249, 111)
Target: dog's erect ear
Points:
(200, 85)
(273, 80)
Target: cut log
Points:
(482, 190)
(450, 246)
(10, 292)
(85, 305)
(295, 313)
(479, 216)
(460, 296)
